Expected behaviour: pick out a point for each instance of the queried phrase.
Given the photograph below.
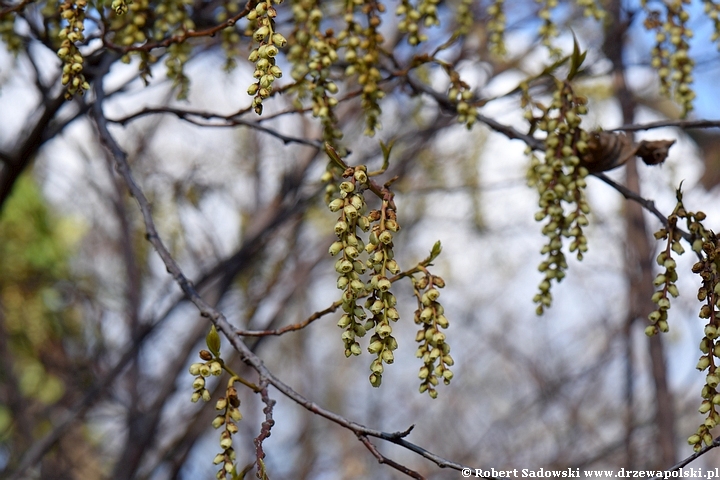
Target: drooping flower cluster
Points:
(414, 17)
(560, 180)
(266, 69)
(228, 405)
(433, 350)
(230, 414)
(73, 12)
(362, 41)
(671, 56)
(349, 267)
(381, 302)
(381, 225)
(665, 280)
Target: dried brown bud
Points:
(608, 150)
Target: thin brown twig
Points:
(647, 204)
(692, 458)
(15, 8)
(669, 123)
(290, 328)
(264, 428)
(230, 121)
(382, 459)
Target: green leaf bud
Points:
(350, 212)
(344, 266)
(279, 40)
(712, 380)
(386, 237)
(388, 356)
(360, 176)
(376, 307)
(678, 248)
(357, 201)
(344, 321)
(383, 284)
(195, 368)
(705, 406)
(212, 339)
(215, 368)
(703, 363)
(419, 337)
(351, 251)
(392, 267)
(376, 366)
(711, 331)
(261, 32)
(392, 225)
(335, 248)
(357, 286)
(340, 227)
(383, 329)
(198, 383)
(659, 280)
(232, 427)
(375, 346)
(225, 441)
(218, 421)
